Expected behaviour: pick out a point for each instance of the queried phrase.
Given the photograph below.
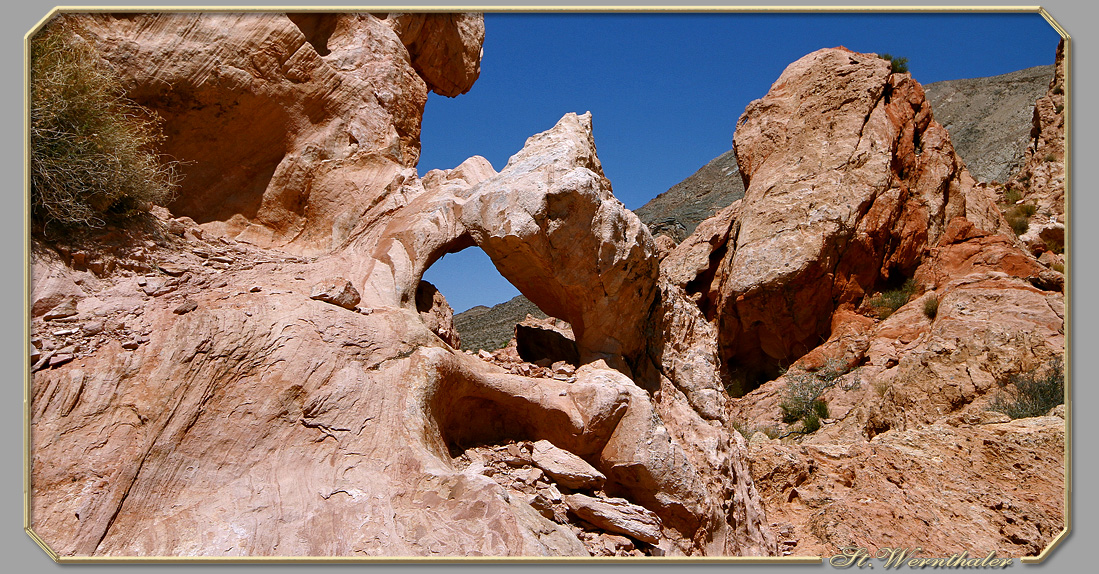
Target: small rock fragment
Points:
(130, 345)
(338, 291)
(60, 359)
(173, 270)
(616, 515)
(543, 506)
(566, 468)
(187, 306)
(66, 308)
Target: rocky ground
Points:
(287, 385)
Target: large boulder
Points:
(290, 128)
(848, 181)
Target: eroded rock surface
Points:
(362, 419)
(906, 447)
(263, 422)
(291, 127)
(848, 180)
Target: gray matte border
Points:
(20, 552)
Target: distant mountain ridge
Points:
(679, 210)
(989, 120)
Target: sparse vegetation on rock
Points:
(931, 307)
(802, 400)
(1018, 217)
(889, 301)
(93, 155)
(1032, 393)
(896, 65)
(609, 435)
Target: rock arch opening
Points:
(487, 312)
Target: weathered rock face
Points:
(545, 340)
(552, 227)
(989, 120)
(995, 487)
(263, 421)
(841, 205)
(291, 128)
(1042, 178)
(437, 314)
(256, 403)
(848, 180)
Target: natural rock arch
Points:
(552, 228)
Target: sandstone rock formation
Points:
(366, 421)
(565, 242)
(848, 183)
(989, 120)
(184, 374)
(547, 340)
(907, 394)
(291, 127)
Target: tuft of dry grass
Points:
(888, 302)
(1018, 217)
(93, 153)
(1034, 393)
(931, 307)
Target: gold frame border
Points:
(27, 375)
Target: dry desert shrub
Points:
(1035, 392)
(93, 151)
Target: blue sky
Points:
(666, 90)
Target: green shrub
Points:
(1035, 392)
(1012, 195)
(802, 401)
(1058, 267)
(92, 150)
(896, 65)
(1058, 89)
(888, 302)
(931, 307)
(1050, 157)
(1060, 108)
(1054, 246)
(1018, 217)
